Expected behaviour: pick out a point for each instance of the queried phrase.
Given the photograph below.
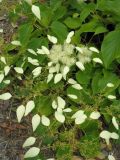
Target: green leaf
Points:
(83, 96)
(59, 13)
(72, 23)
(60, 30)
(111, 48)
(43, 105)
(111, 7)
(83, 77)
(25, 33)
(46, 15)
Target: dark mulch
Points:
(12, 134)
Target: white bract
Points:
(95, 115)
(52, 39)
(20, 112)
(79, 117)
(16, 43)
(110, 85)
(34, 62)
(114, 122)
(35, 122)
(29, 107)
(80, 65)
(1, 77)
(111, 97)
(5, 96)
(70, 35)
(45, 120)
(36, 11)
(37, 119)
(59, 106)
(97, 60)
(107, 135)
(3, 60)
(111, 157)
(36, 72)
(6, 70)
(7, 81)
(77, 86)
(29, 142)
(32, 51)
(32, 152)
(19, 70)
(72, 96)
(93, 49)
(57, 78)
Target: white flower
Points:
(6, 70)
(19, 70)
(29, 142)
(111, 157)
(20, 112)
(70, 35)
(36, 11)
(107, 135)
(72, 96)
(29, 107)
(31, 51)
(79, 116)
(32, 152)
(1, 77)
(94, 49)
(16, 43)
(52, 39)
(110, 85)
(5, 96)
(111, 97)
(35, 122)
(84, 54)
(97, 60)
(114, 121)
(3, 60)
(33, 61)
(80, 65)
(95, 115)
(36, 72)
(57, 78)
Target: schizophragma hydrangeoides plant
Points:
(62, 83)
